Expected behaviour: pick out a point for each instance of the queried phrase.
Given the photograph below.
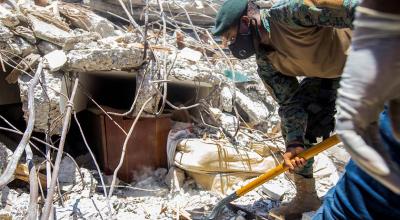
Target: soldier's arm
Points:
(334, 13)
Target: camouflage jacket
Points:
(293, 112)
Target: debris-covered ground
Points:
(51, 54)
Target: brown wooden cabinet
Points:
(146, 147)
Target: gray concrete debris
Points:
(5, 155)
(67, 171)
(49, 32)
(201, 13)
(106, 54)
(227, 121)
(80, 37)
(257, 111)
(104, 59)
(24, 47)
(71, 180)
(26, 33)
(48, 101)
(85, 19)
(5, 33)
(8, 18)
(226, 99)
(190, 54)
(14, 203)
(274, 191)
(17, 46)
(55, 60)
(339, 156)
(45, 47)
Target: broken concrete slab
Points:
(200, 13)
(8, 18)
(49, 32)
(26, 33)
(257, 111)
(55, 60)
(104, 59)
(24, 46)
(17, 46)
(190, 54)
(87, 20)
(80, 37)
(227, 121)
(47, 101)
(273, 190)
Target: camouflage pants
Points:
(306, 108)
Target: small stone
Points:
(227, 121)
(273, 190)
(190, 54)
(55, 60)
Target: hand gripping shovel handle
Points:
(272, 173)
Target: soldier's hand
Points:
(291, 160)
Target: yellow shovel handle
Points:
(272, 173)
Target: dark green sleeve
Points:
(299, 13)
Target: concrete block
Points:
(55, 60)
(87, 20)
(49, 32)
(104, 59)
(274, 190)
(190, 54)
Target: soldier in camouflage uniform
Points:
(294, 38)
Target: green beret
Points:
(229, 14)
